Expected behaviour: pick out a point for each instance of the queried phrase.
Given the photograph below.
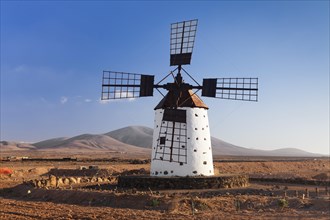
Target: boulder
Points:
(39, 183)
(73, 180)
(66, 181)
(52, 181)
(59, 182)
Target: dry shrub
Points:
(6, 171)
(173, 205)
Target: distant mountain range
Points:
(137, 139)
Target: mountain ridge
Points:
(138, 139)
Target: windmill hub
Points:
(181, 139)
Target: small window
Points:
(205, 162)
(194, 172)
(204, 152)
(165, 172)
(195, 150)
(161, 158)
(196, 138)
(156, 126)
(196, 115)
(171, 171)
(204, 139)
(181, 164)
(156, 172)
(203, 129)
(162, 140)
(196, 129)
(183, 146)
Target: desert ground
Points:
(280, 188)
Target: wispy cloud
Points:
(88, 100)
(64, 99)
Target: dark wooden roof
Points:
(186, 99)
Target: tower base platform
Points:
(189, 182)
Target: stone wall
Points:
(198, 182)
(58, 182)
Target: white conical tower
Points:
(181, 140)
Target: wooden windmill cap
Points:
(186, 99)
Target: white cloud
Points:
(88, 100)
(64, 99)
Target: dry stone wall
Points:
(58, 182)
(199, 182)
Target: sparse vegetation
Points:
(155, 202)
(283, 203)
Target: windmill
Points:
(181, 139)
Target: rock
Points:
(39, 184)
(99, 180)
(84, 180)
(72, 180)
(93, 180)
(59, 182)
(52, 180)
(66, 181)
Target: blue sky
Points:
(53, 54)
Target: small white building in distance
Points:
(181, 140)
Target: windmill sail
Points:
(245, 89)
(121, 85)
(182, 42)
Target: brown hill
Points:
(88, 142)
(15, 146)
(135, 135)
(138, 140)
(142, 136)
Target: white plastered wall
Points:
(199, 150)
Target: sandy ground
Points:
(258, 201)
